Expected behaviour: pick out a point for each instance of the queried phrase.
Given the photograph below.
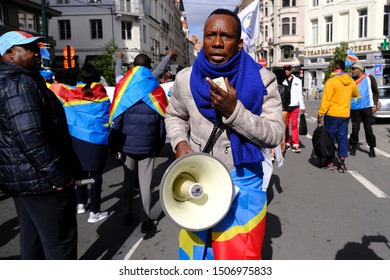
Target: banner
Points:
(250, 21)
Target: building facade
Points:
(135, 26)
(281, 35)
(27, 15)
(363, 25)
(305, 33)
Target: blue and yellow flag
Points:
(240, 234)
(138, 84)
(87, 115)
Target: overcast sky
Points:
(198, 10)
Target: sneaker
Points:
(372, 152)
(149, 226)
(288, 147)
(80, 208)
(342, 168)
(296, 149)
(96, 217)
(328, 166)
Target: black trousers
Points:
(48, 225)
(364, 116)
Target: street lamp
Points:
(44, 28)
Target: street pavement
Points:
(312, 213)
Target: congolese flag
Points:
(365, 98)
(240, 235)
(138, 84)
(351, 58)
(61, 91)
(87, 116)
(44, 51)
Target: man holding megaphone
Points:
(233, 125)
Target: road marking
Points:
(379, 151)
(368, 185)
(136, 235)
(133, 248)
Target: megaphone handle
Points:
(208, 243)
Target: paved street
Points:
(312, 213)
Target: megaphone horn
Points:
(185, 187)
(196, 191)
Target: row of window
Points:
(288, 3)
(316, 2)
(63, 2)
(362, 25)
(96, 28)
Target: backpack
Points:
(322, 143)
(285, 96)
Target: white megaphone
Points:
(196, 191)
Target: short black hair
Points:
(229, 13)
(89, 74)
(339, 64)
(143, 60)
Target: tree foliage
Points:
(340, 53)
(106, 62)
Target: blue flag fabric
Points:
(87, 117)
(351, 58)
(44, 51)
(138, 84)
(240, 234)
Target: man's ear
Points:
(240, 44)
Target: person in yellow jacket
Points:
(334, 111)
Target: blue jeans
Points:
(338, 130)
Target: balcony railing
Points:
(164, 25)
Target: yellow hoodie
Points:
(336, 99)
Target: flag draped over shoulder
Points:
(240, 234)
(250, 22)
(138, 84)
(351, 58)
(87, 116)
(365, 98)
(61, 91)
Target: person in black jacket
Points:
(144, 135)
(285, 94)
(36, 158)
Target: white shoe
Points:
(296, 149)
(94, 218)
(80, 208)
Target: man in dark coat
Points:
(35, 153)
(140, 121)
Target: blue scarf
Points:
(243, 74)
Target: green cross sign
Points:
(385, 44)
